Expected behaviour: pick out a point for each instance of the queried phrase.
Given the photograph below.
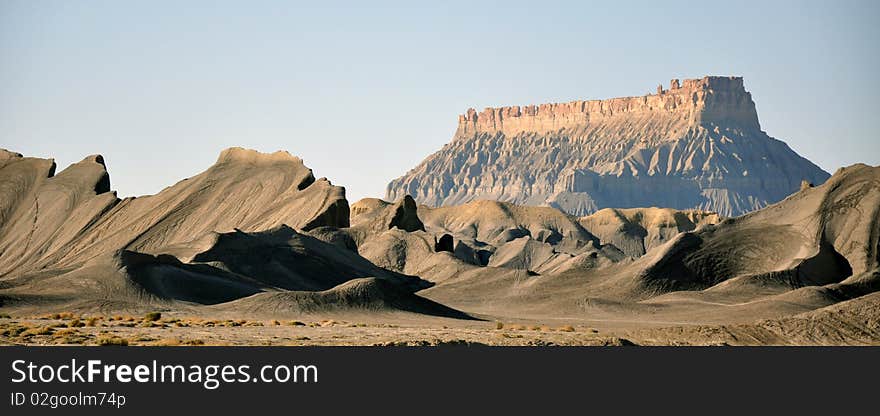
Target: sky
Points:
(363, 91)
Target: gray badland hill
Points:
(239, 230)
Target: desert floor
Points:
(403, 329)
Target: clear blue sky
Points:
(363, 91)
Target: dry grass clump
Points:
(76, 323)
(65, 332)
(188, 322)
(143, 338)
(229, 323)
(111, 340)
(60, 315)
(296, 323)
(566, 328)
(499, 325)
(57, 315)
(12, 330)
(153, 316)
(93, 321)
(174, 342)
(275, 322)
(69, 336)
(122, 318)
(40, 330)
(5, 316)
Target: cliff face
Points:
(710, 100)
(697, 144)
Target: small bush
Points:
(153, 316)
(76, 323)
(143, 338)
(68, 336)
(65, 332)
(499, 325)
(63, 315)
(42, 330)
(92, 321)
(69, 340)
(5, 316)
(112, 341)
(13, 330)
(174, 342)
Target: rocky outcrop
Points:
(696, 145)
(249, 224)
(44, 216)
(50, 221)
(825, 235)
(636, 231)
(445, 243)
(492, 222)
(406, 216)
(372, 216)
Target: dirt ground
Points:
(69, 329)
(395, 329)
